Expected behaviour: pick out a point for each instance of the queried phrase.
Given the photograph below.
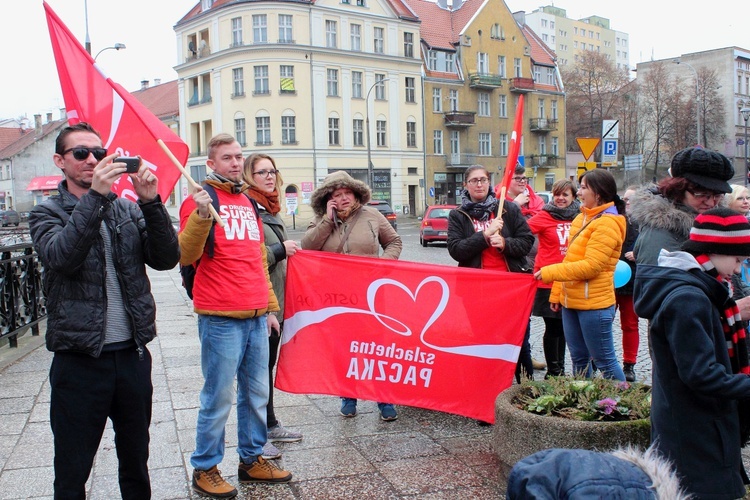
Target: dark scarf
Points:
(269, 201)
(481, 210)
(568, 213)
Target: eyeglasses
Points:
(81, 154)
(266, 173)
(707, 196)
(521, 180)
(481, 181)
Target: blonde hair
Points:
(736, 193)
(219, 140)
(247, 170)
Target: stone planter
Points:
(518, 433)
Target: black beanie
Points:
(721, 231)
(708, 169)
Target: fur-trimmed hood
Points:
(331, 183)
(650, 209)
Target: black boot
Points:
(629, 370)
(551, 350)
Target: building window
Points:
(260, 29)
(380, 132)
(263, 130)
(503, 145)
(503, 110)
(409, 87)
(501, 66)
(537, 73)
(432, 60)
(286, 75)
(285, 29)
(437, 100)
(485, 144)
(449, 66)
(238, 82)
(550, 76)
(517, 67)
(236, 31)
(553, 105)
(332, 82)
(357, 84)
(288, 130)
(331, 34)
(437, 142)
(453, 99)
(542, 145)
(408, 44)
(379, 86)
(541, 108)
(358, 128)
(555, 146)
(355, 31)
(411, 134)
(483, 104)
(261, 80)
(360, 3)
(483, 63)
(455, 143)
(239, 131)
(333, 131)
(378, 46)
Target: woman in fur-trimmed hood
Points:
(331, 183)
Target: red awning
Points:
(44, 183)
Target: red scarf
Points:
(269, 201)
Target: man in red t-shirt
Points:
(232, 295)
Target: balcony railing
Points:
(542, 124)
(460, 160)
(521, 85)
(485, 81)
(549, 161)
(459, 119)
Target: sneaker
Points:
(280, 434)
(348, 407)
(387, 412)
(209, 482)
(538, 365)
(270, 452)
(262, 471)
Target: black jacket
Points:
(65, 232)
(694, 418)
(466, 245)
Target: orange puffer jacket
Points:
(584, 280)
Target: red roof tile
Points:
(541, 54)
(29, 137)
(162, 100)
(441, 27)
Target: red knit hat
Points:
(720, 231)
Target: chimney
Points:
(144, 84)
(49, 117)
(38, 124)
(157, 81)
(63, 114)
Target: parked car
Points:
(546, 196)
(385, 209)
(434, 225)
(8, 217)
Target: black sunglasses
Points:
(83, 153)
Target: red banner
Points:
(513, 149)
(437, 337)
(126, 126)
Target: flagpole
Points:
(190, 180)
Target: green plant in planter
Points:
(576, 398)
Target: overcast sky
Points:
(30, 85)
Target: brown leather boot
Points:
(209, 482)
(262, 471)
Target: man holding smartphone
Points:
(95, 247)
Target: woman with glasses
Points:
(664, 213)
(345, 224)
(265, 182)
(479, 238)
(739, 199)
(584, 281)
(552, 225)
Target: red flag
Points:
(515, 146)
(437, 337)
(126, 126)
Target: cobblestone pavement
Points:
(424, 454)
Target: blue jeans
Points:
(589, 336)
(232, 347)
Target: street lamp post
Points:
(746, 115)
(370, 174)
(116, 46)
(697, 104)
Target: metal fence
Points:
(22, 301)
